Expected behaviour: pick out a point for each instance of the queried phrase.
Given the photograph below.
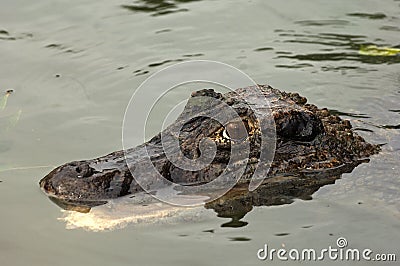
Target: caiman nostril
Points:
(84, 170)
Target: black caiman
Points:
(313, 148)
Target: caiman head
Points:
(308, 140)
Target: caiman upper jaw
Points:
(58, 180)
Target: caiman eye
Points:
(235, 131)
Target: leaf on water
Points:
(373, 50)
(3, 102)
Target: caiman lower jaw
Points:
(76, 205)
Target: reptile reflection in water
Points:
(275, 191)
(144, 209)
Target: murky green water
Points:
(73, 67)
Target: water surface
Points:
(73, 67)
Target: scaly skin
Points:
(309, 142)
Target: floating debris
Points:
(12, 119)
(373, 50)
(3, 102)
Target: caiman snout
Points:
(61, 180)
(79, 180)
(83, 170)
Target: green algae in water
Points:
(373, 50)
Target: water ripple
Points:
(240, 238)
(157, 7)
(165, 62)
(336, 47)
(368, 15)
(350, 56)
(354, 115)
(390, 28)
(324, 22)
(261, 49)
(63, 48)
(7, 36)
(184, 57)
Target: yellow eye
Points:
(235, 131)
